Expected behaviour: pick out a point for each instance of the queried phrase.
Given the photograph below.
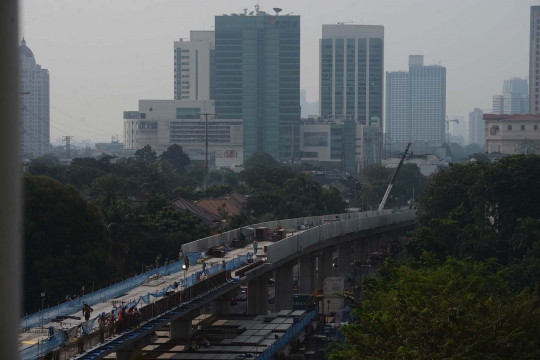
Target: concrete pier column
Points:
(307, 274)
(324, 266)
(181, 328)
(220, 305)
(359, 251)
(258, 295)
(344, 258)
(284, 288)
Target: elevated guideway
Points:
(322, 235)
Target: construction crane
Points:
(385, 197)
(448, 121)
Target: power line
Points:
(72, 117)
(47, 122)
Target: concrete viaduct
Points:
(349, 233)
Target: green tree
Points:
(459, 310)
(47, 160)
(109, 189)
(146, 155)
(258, 159)
(155, 182)
(175, 156)
(66, 241)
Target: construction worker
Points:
(136, 319)
(87, 310)
(180, 255)
(255, 246)
(204, 267)
(102, 320)
(223, 265)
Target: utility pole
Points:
(206, 150)
(292, 146)
(67, 140)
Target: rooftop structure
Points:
(508, 134)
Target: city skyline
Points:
(116, 75)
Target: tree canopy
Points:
(175, 156)
(461, 309)
(260, 159)
(66, 240)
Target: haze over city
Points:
(270, 180)
(104, 56)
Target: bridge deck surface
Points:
(29, 338)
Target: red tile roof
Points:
(513, 117)
(206, 216)
(232, 203)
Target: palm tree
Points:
(155, 182)
(108, 189)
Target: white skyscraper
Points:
(194, 75)
(416, 104)
(476, 127)
(35, 110)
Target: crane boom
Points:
(385, 197)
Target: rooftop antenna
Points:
(257, 9)
(245, 11)
(277, 10)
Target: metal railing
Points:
(148, 312)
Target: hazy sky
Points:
(105, 55)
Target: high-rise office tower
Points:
(515, 98)
(516, 85)
(258, 78)
(416, 104)
(476, 127)
(351, 73)
(35, 111)
(534, 60)
(194, 67)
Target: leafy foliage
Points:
(458, 310)
(66, 241)
(260, 159)
(175, 156)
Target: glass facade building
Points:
(257, 79)
(351, 73)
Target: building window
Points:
(535, 127)
(522, 127)
(142, 116)
(151, 109)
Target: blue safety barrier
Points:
(102, 295)
(59, 339)
(288, 336)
